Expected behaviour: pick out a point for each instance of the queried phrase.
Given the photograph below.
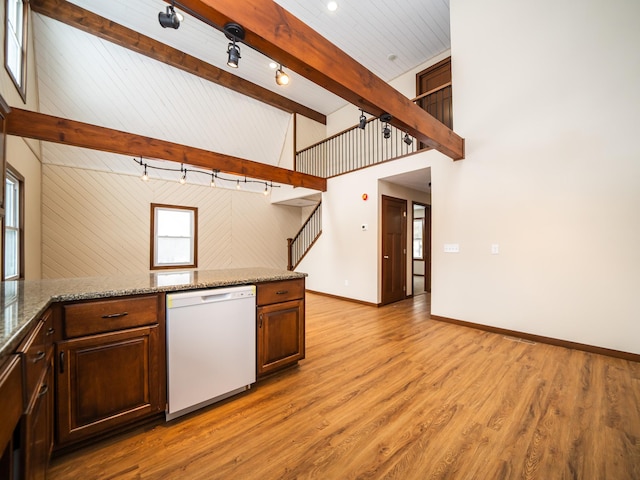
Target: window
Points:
(13, 241)
(418, 233)
(15, 43)
(174, 236)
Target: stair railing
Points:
(299, 245)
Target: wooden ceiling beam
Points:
(275, 32)
(28, 124)
(91, 23)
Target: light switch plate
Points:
(451, 248)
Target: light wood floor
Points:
(389, 393)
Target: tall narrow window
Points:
(174, 236)
(13, 227)
(15, 43)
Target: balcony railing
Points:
(357, 148)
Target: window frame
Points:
(20, 83)
(19, 180)
(153, 265)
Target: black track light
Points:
(234, 55)
(363, 120)
(235, 33)
(386, 131)
(407, 139)
(170, 19)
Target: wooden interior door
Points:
(394, 249)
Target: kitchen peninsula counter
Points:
(22, 302)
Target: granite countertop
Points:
(22, 302)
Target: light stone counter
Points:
(22, 302)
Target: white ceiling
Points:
(88, 79)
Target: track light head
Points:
(169, 19)
(386, 132)
(281, 77)
(234, 55)
(233, 32)
(407, 139)
(363, 120)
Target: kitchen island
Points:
(22, 302)
(85, 357)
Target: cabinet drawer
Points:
(34, 355)
(276, 292)
(101, 316)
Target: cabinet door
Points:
(38, 429)
(280, 335)
(108, 380)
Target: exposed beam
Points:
(276, 33)
(89, 22)
(25, 123)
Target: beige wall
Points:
(25, 155)
(97, 223)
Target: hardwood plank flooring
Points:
(388, 393)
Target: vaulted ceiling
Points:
(85, 78)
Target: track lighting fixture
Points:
(237, 184)
(363, 120)
(266, 190)
(183, 178)
(145, 177)
(386, 131)
(171, 19)
(407, 139)
(213, 179)
(233, 32)
(281, 77)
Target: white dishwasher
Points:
(211, 346)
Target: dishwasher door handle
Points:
(215, 297)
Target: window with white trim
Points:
(12, 227)
(174, 236)
(15, 30)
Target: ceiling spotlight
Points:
(363, 120)
(237, 184)
(266, 190)
(145, 177)
(407, 139)
(183, 178)
(233, 32)
(171, 19)
(213, 179)
(386, 131)
(332, 6)
(281, 77)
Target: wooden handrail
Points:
(432, 91)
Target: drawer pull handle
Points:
(61, 362)
(282, 292)
(39, 356)
(115, 315)
(260, 326)
(51, 331)
(43, 389)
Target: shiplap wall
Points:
(97, 223)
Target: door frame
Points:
(426, 246)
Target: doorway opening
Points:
(421, 248)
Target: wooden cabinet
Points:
(281, 325)
(110, 365)
(37, 422)
(11, 407)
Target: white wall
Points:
(345, 261)
(546, 95)
(98, 223)
(25, 155)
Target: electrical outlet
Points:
(451, 248)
